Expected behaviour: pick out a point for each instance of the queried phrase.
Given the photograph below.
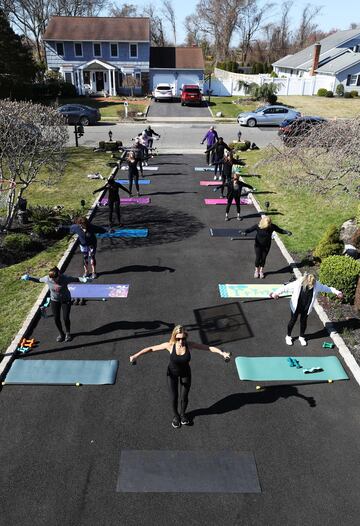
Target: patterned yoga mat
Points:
(204, 169)
(243, 201)
(128, 201)
(147, 168)
(248, 291)
(98, 291)
(126, 181)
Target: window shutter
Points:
(358, 80)
(348, 80)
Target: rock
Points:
(347, 230)
(219, 114)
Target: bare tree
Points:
(193, 31)
(307, 26)
(32, 141)
(158, 36)
(250, 23)
(123, 10)
(169, 14)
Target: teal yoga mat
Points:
(62, 372)
(277, 368)
(243, 290)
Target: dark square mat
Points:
(187, 472)
(222, 323)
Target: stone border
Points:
(333, 334)
(10, 353)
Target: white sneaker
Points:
(215, 177)
(302, 341)
(256, 273)
(226, 217)
(288, 340)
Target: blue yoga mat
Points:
(141, 181)
(98, 291)
(63, 372)
(125, 232)
(277, 368)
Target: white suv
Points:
(163, 92)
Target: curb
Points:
(10, 353)
(328, 325)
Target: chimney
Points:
(316, 56)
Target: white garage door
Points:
(188, 78)
(163, 78)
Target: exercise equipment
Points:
(328, 345)
(276, 368)
(128, 201)
(24, 342)
(63, 372)
(293, 362)
(243, 201)
(313, 370)
(249, 291)
(124, 232)
(228, 232)
(90, 291)
(126, 181)
(184, 471)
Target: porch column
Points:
(114, 83)
(82, 82)
(110, 82)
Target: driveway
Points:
(174, 109)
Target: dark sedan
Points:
(80, 114)
(293, 132)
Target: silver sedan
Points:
(267, 115)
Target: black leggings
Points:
(219, 165)
(230, 197)
(112, 205)
(134, 178)
(209, 155)
(57, 307)
(185, 384)
(303, 321)
(261, 255)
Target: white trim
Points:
(82, 49)
(102, 40)
(176, 69)
(137, 50)
(97, 44)
(96, 61)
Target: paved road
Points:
(174, 109)
(60, 446)
(182, 137)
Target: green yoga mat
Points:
(249, 291)
(62, 372)
(277, 368)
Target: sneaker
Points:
(256, 273)
(86, 274)
(82, 301)
(239, 218)
(226, 217)
(138, 194)
(60, 338)
(184, 420)
(176, 422)
(261, 274)
(77, 301)
(215, 178)
(68, 337)
(94, 275)
(302, 341)
(288, 340)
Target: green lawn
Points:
(228, 108)
(110, 107)
(18, 297)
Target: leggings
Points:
(219, 166)
(173, 384)
(260, 255)
(112, 205)
(208, 157)
(303, 321)
(57, 307)
(135, 178)
(230, 197)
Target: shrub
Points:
(67, 90)
(347, 95)
(322, 92)
(18, 243)
(271, 99)
(340, 90)
(241, 146)
(329, 244)
(330, 94)
(342, 273)
(274, 75)
(354, 93)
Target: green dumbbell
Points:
(328, 345)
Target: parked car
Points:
(163, 92)
(284, 125)
(299, 128)
(190, 94)
(267, 115)
(80, 114)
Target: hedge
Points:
(341, 272)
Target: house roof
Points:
(340, 63)
(299, 60)
(176, 58)
(95, 28)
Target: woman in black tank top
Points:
(178, 371)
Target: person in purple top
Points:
(211, 137)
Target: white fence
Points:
(226, 83)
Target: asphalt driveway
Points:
(174, 109)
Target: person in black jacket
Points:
(218, 150)
(264, 231)
(112, 187)
(227, 171)
(133, 173)
(235, 187)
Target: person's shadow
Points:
(138, 268)
(267, 395)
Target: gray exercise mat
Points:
(187, 472)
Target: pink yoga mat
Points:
(243, 201)
(210, 183)
(129, 201)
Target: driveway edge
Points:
(328, 324)
(11, 352)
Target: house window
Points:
(97, 50)
(78, 49)
(68, 77)
(353, 80)
(60, 48)
(133, 50)
(114, 50)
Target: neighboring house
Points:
(335, 57)
(176, 66)
(99, 54)
(112, 54)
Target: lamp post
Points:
(110, 136)
(78, 132)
